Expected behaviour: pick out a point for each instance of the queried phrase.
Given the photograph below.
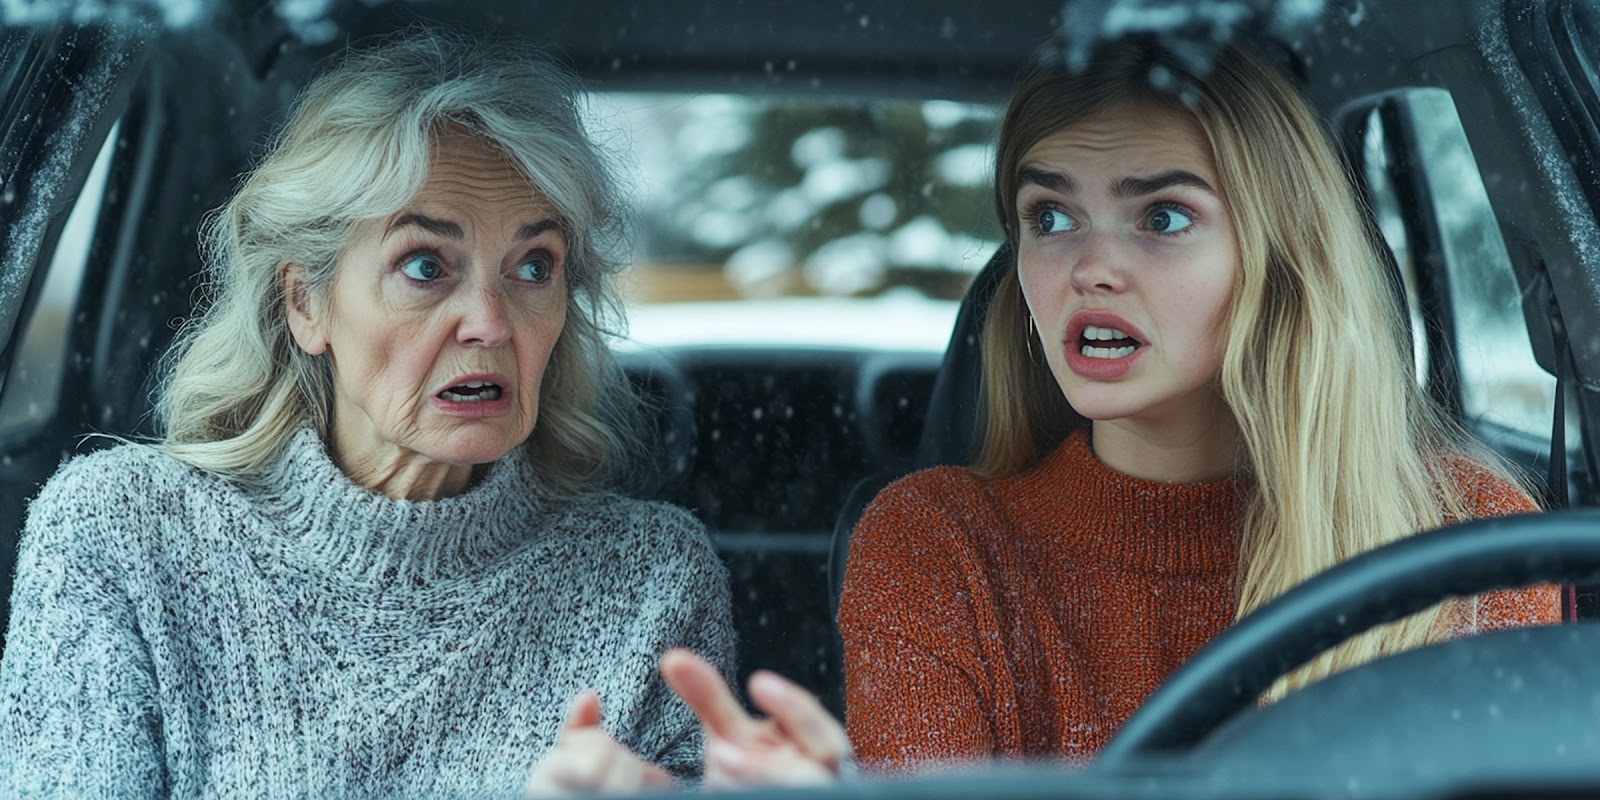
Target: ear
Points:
(307, 323)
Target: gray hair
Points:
(357, 147)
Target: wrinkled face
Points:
(439, 321)
(1127, 258)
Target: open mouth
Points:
(472, 392)
(1097, 342)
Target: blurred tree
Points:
(842, 198)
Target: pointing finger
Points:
(812, 729)
(707, 695)
(583, 713)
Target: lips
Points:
(475, 396)
(472, 392)
(1101, 345)
(1098, 342)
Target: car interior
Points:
(1471, 128)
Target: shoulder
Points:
(642, 527)
(936, 492)
(125, 479)
(923, 550)
(940, 492)
(649, 518)
(654, 557)
(942, 501)
(109, 504)
(1484, 490)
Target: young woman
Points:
(1198, 394)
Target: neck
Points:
(1206, 447)
(394, 471)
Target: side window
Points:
(1432, 209)
(31, 388)
(1376, 168)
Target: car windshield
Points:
(803, 221)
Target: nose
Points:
(1099, 264)
(483, 321)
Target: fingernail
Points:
(770, 683)
(724, 752)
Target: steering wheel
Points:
(1388, 583)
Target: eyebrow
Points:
(450, 230)
(437, 227)
(1054, 181)
(1122, 189)
(1138, 187)
(527, 232)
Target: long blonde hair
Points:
(1344, 450)
(358, 147)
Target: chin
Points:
(475, 446)
(1101, 403)
(1101, 413)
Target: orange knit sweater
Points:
(1029, 616)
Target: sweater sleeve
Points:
(913, 614)
(1489, 495)
(79, 715)
(694, 613)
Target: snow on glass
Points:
(308, 19)
(26, 235)
(1193, 31)
(1554, 166)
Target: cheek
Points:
(379, 343)
(1210, 300)
(541, 332)
(1221, 292)
(1042, 295)
(1208, 304)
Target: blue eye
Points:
(1170, 221)
(534, 270)
(1049, 220)
(422, 267)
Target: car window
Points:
(31, 388)
(1386, 211)
(1424, 152)
(803, 220)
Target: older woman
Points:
(372, 555)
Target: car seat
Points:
(950, 431)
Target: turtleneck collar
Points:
(334, 527)
(1142, 524)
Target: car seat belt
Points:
(1557, 483)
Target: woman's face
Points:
(1127, 258)
(439, 321)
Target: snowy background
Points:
(876, 213)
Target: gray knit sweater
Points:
(175, 634)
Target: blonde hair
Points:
(1345, 453)
(358, 147)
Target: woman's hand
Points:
(587, 761)
(798, 744)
